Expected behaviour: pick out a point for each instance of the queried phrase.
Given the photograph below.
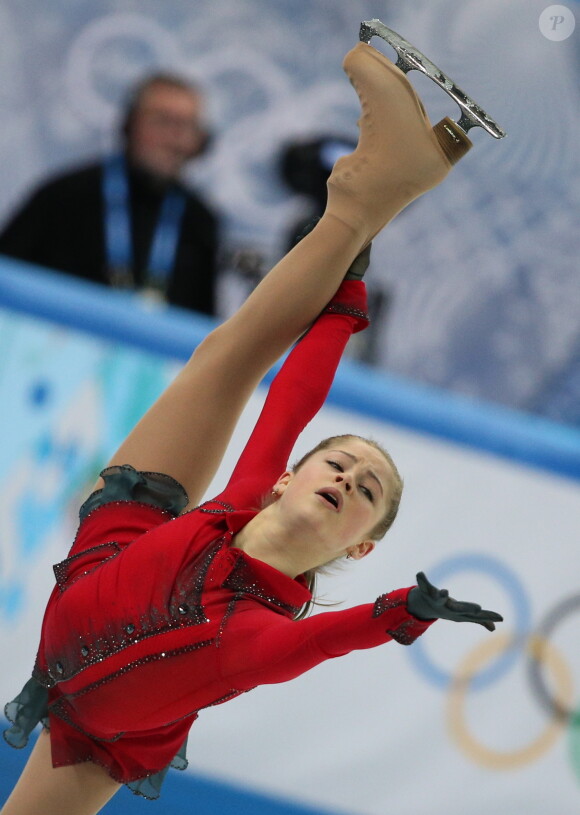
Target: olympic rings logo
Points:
(492, 659)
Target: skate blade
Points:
(410, 58)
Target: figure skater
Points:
(163, 607)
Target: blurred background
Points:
(477, 282)
(475, 296)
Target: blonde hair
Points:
(379, 531)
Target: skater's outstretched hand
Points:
(427, 602)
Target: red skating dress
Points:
(157, 615)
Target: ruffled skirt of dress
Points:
(31, 707)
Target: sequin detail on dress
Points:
(185, 610)
(242, 580)
(386, 602)
(223, 507)
(350, 311)
(59, 708)
(186, 606)
(229, 611)
(185, 649)
(403, 634)
(95, 646)
(93, 556)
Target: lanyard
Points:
(118, 242)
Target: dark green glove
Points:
(426, 602)
(359, 265)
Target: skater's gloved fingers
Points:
(459, 605)
(426, 587)
(475, 614)
(483, 617)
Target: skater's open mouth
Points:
(332, 496)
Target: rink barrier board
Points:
(121, 317)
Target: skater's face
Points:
(339, 495)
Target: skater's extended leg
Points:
(398, 157)
(185, 433)
(81, 789)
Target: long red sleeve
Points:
(263, 648)
(296, 395)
